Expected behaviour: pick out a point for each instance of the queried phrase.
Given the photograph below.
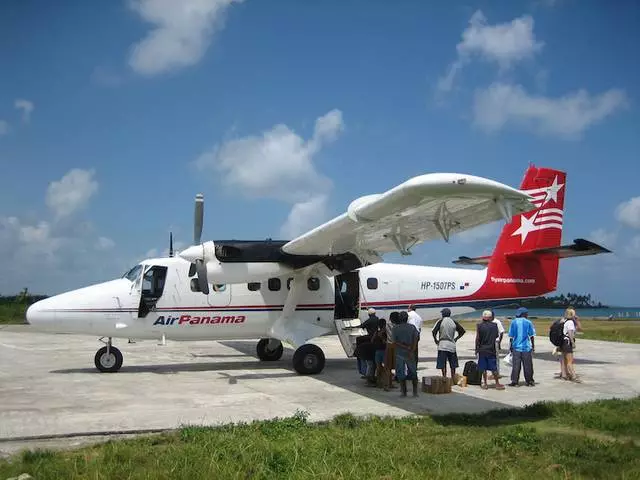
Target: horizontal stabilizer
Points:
(472, 261)
(579, 248)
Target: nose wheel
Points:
(108, 359)
(269, 350)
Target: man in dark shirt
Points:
(486, 335)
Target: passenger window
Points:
(372, 283)
(274, 284)
(253, 286)
(313, 283)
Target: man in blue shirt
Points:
(522, 339)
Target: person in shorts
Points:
(567, 370)
(486, 341)
(444, 332)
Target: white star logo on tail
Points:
(542, 196)
(543, 218)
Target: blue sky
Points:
(113, 115)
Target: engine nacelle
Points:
(245, 272)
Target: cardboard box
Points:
(436, 384)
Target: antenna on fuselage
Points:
(170, 244)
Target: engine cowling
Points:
(245, 272)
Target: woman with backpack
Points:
(565, 343)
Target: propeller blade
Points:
(171, 244)
(192, 269)
(198, 219)
(201, 268)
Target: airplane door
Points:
(219, 295)
(153, 281)
(347, 295)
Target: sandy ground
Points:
(49, 386)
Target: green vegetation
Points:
(562, 301)
(12, 313)
(13, 308)
(545, 440)
(625, 331)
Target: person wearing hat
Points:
(522, 341)
(444, 332)
(486, 342)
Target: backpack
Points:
(556, 332)
(472, 373)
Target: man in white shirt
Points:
(414, 319)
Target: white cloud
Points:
(105, 243)
(26, 106)
(628, 212)
(4, 127)
(278, 164)
(305, 216)
(606, 238)
(182, 33)
(566, 117)
(504, 43)
(71, 192)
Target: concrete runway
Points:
(49, 386)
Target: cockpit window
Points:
(133, 274)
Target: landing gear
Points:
(108, 358)
(269, 350)
(308, 359)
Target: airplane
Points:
(323, 281)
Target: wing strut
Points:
(444, 221)
(289, 329)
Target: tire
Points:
(308, 359)
(269, 355)
(108, 364)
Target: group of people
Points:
(389, 351)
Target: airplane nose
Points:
(37, 314)
(28, 314)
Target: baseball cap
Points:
(371, 311)
(521, 311)
(487, 314)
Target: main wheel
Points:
(110, 362)
(308, 359)
(267, 355)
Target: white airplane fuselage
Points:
(234, 311)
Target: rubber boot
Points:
(403, 388)
(415, 387)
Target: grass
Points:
(12, 313)
(544, 440)
(625, 331)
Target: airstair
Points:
(348, 330)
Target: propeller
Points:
(199, 266)
(170, 244)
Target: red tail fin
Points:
(531, 275)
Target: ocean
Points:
(621, 313)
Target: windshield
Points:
(133, 274)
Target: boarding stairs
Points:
(348, 330)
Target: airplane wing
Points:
(423, 208)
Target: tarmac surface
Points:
(52, 395)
